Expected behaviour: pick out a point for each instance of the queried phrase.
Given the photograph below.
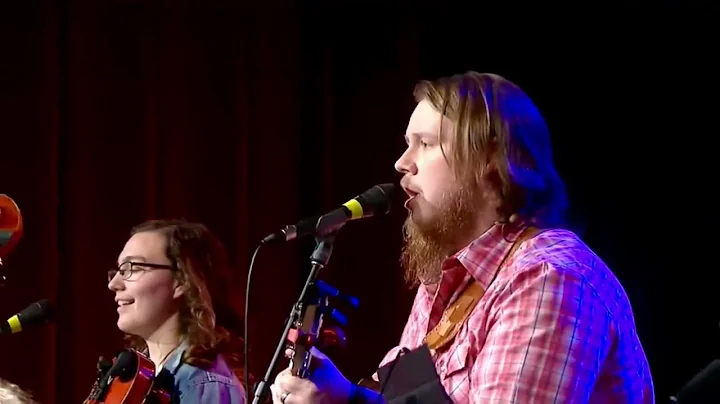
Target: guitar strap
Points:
(455, 315)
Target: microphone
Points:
(376, 200)
(37, 313)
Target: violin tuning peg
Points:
(331, 291)
(352, 301)
(333, 336)
(103, 365)
(338, 317)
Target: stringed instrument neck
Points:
(309, 330)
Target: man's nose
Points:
(405, 164)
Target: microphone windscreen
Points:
(378, 199)
(39, 312)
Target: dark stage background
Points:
(245, 119)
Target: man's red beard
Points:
(427, 245)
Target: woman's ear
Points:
(180, 288)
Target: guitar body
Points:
(130, 379)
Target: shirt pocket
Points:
(457, 361)
(457, 358)
(210, 377)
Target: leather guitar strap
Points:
(455, 315)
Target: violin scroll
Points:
(11, 229)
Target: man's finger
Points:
(283, 372)
(284, 382)
(289, 383)
(275, 393)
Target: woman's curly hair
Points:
(11, 393)
(208, 319)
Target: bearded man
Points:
(513, 307)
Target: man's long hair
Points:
(499, 134)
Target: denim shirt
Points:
(191, 384)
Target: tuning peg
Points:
(331, 291)
(337, 316)
(352, 301)
(333, 336)
(103, 366)
(326, 289)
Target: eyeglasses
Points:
(127, 269)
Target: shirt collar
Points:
(173, 362)
(483, 256)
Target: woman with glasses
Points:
(172, 304)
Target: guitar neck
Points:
(370, 384)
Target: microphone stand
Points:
(319, 259)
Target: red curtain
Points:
(130, 110)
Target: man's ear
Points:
(491, 183)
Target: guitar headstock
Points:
(11, 229)
(310, 329)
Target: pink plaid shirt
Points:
(555, 326)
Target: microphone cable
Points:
(246, 359)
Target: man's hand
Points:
(325, 386)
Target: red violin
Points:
(11, 228)
(128, 379)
